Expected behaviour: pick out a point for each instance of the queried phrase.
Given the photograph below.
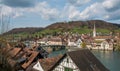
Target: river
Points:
(109, 59)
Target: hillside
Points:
(72, 26)
(23, 30)
(89, 24)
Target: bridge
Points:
(51, 48)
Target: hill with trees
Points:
(71, 26)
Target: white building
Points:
(81, 60)
(106, 45)
(74, 43)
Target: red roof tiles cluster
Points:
(48, 63)
(30, 59)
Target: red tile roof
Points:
(14, 51)
(49, 62)
(103, 37)
(30, 59)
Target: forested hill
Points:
(89, 24)
(66, 26)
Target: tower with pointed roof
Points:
(94, 31)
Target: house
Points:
(81, 60)
(71, 43)
(88, 41)
(44, 64)
(30, 43)
(42, 41)
(24, 58)
(55, 41)
(107, 45)
(21, 58)
(74, 42)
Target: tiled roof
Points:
(84, 60)
(49, 62)
(55, 39)
(30, 68)
(30, 59)
(103, 37)
(46, 63)
(14, 51)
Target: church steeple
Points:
(94, 31)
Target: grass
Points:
(80, 30)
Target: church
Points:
(102, 42)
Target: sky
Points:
(40, 13)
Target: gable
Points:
(79, 41)
(81, 60)
(66, 62)
(38, 67)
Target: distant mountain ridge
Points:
(24, 30)
(67, 25)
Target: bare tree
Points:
(4, 21)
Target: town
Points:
(59, 35)
(34, 54)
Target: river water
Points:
(55, 53)
(109, 59)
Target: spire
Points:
(94, 31)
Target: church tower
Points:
(94, 31)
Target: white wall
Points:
(68, 64)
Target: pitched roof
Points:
(55, 39)
(14, 51)
(30, 68)
(30, 59)
(103, 37)
(86, 61)
(49, 62)
(46, 63)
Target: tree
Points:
(4, 21)
(83, 45)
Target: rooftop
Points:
(86, 61)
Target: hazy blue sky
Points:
(40, 13)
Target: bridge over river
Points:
(51, 48)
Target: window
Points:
(68, 69)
